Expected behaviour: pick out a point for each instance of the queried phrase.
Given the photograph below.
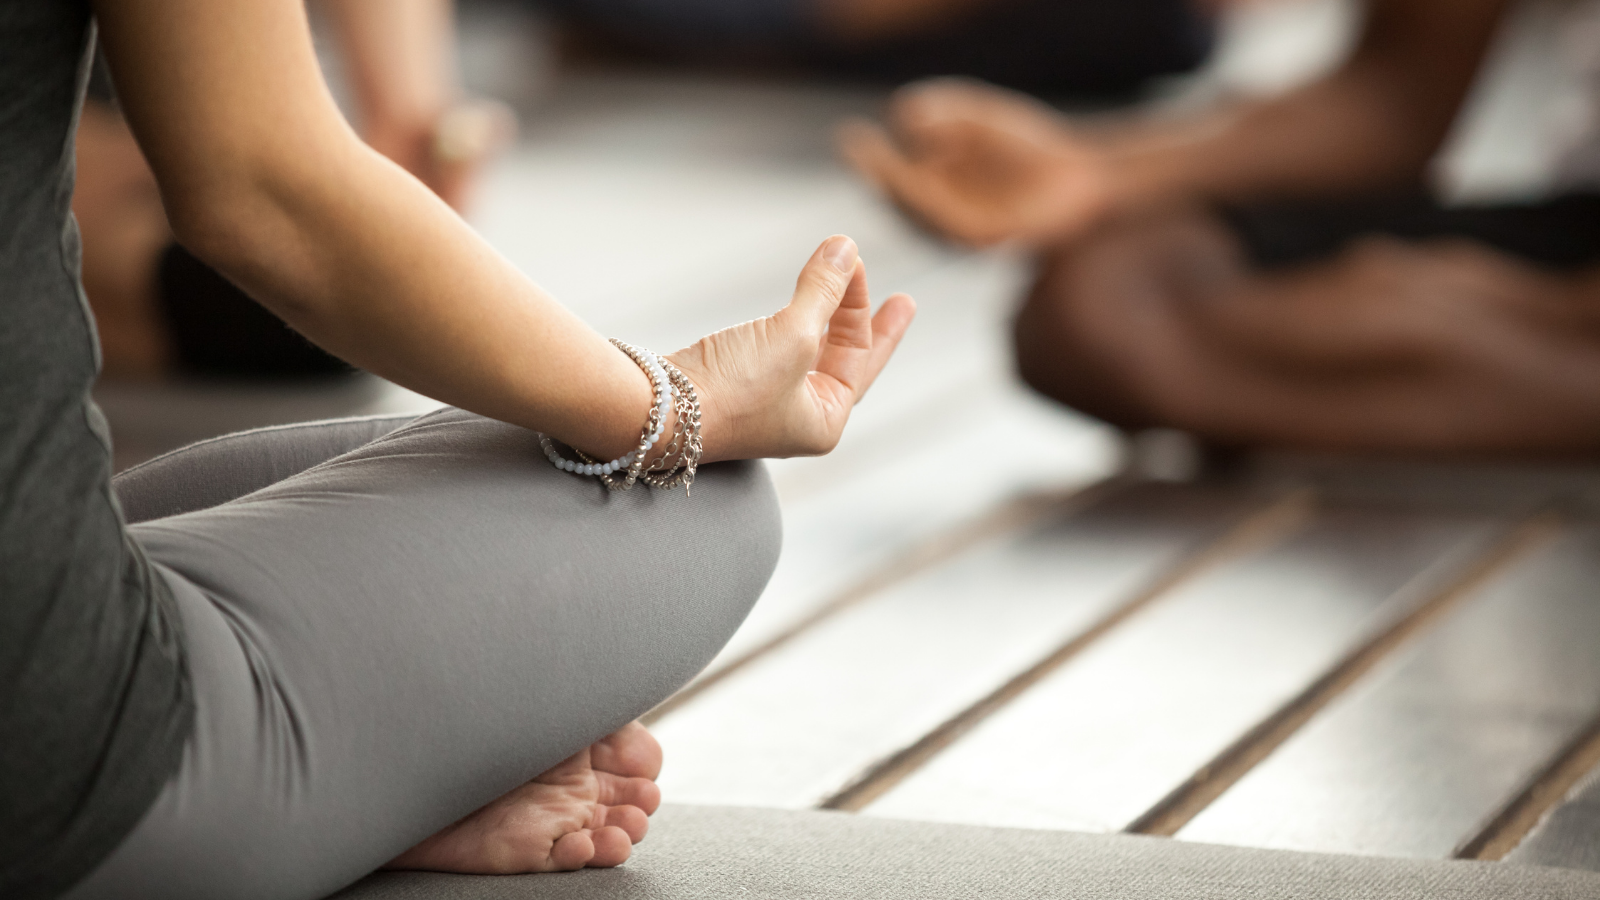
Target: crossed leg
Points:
(414, 651)
(1426, 347)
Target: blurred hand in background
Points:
(400, 57)
(983, 166)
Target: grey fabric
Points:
(384, 642)
(1570, 836)
(710, 853)
(214, 471)
(93, 702)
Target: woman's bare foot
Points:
(588, 811)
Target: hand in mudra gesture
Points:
(982, 166)
(784, 385)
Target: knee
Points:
(743, 522)
(657, 583)
(731, 533)
(1060, 352)
(1107, 327)
(1041, 332)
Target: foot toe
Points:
(631, 819)
(631, 752)
(640, 792)
(573, 850)
(612, 846)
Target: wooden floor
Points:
(1339, 655)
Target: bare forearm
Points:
(262, 178)
(386, 277)
(1376, 122)
(1332, 137)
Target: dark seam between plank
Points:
(1013, 516)
(1263, 527)
(1540, 795)
(1201, 789)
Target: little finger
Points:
(888, 327)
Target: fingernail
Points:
(841, 253)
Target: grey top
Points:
(94, 703)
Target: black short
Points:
(1561, 233)
(1055, 47)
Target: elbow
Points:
(214, 214)
(211, 231)
(236, 223)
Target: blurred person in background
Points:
(1275, 271)
(1055, 47)
(163, 312)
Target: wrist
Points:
(413, 109)
(653, 443)
(713, 420)
(1091, 184)
(618, 424)
(1132, 180)
(669, 447)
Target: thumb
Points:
(822, 283)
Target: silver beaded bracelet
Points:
(674, 393)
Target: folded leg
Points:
(1439, 346)
(390, 639)
(225, 468)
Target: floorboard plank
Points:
(1425, 610)
(794, 727)
(1557, 793)
(1416, 758)
(836, 538)
(1570, 836)
(1109, 735)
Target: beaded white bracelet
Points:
(631, 462)
(680, 459)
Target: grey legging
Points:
(389, 622)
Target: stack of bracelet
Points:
(681, 457)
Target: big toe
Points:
(631, 752)
(640, 792)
